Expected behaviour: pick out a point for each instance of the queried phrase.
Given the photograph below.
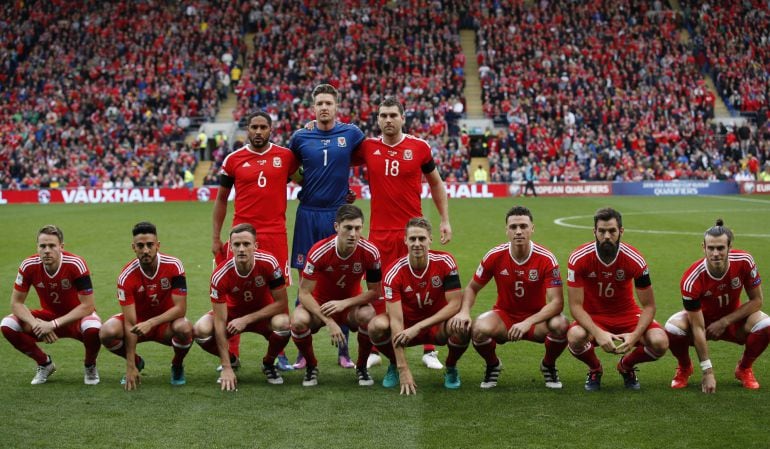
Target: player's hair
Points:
(419, 222)
(144, 227)
(607, 214)
(243, 227)
(259, 114)
(348, 212)
(52, 230)
(519, 211)
(719, 229)
(326, 89)
(390, 102)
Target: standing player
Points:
(152, 291)
(601, 277)
(248, 292)
(529, 300)
(330, 292)
(422, 292)
(711, 293)
(396, 164)
(63, 285)
(325, 154)
(259, 171)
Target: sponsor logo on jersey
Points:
(277, 162)
(357, 268)
(377, 153)
(329, 269)
(40, 285)
(341, 142)
(571, 275)
(140, 289)
(165, 284)
(236, 289)
(259, 281)
(620, 275)
(408, 289)
(309, 267)
(735, 283)
(407, 155)
(246, 164)
(214, 293)
(708, 293)
(592, 274)
(435, 281)
(65, 284)
(532, 275)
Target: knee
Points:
(659, 343)
(577, 336)
(109, 331)
(182, 327)
(300, 321)
(558, 325)
(364, 315)
(280, 322)
(9, 324)
(379, 326)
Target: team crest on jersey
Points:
(214, 293)
(165, 284)
(620, 275)
(357, 268)
(435, 281)
(19, 279)
(259, 281)
(65, 284)
(341, 142)
(407, 155)
(277, 162)
(532, 275)
(735, 283)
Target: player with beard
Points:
(259, 171)
(711, 294)
(601, 279)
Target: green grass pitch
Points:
(520, 412)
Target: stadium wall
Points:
(454, 190)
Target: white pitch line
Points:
(562, 222)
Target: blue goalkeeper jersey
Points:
(325, 159)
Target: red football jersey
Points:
(151, 295)
(395, 179)
(719, 297)
(247, 293)
(337, 278)
(608, 289)
(57, 293)
(521, 287)
(421, 294)
(260, 186)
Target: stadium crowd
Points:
(600, 91)
(91, 93)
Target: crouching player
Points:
(330, 292)
(711, 293)
(152, 291)
(248, 294)
(63, 285)
(422, 292)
